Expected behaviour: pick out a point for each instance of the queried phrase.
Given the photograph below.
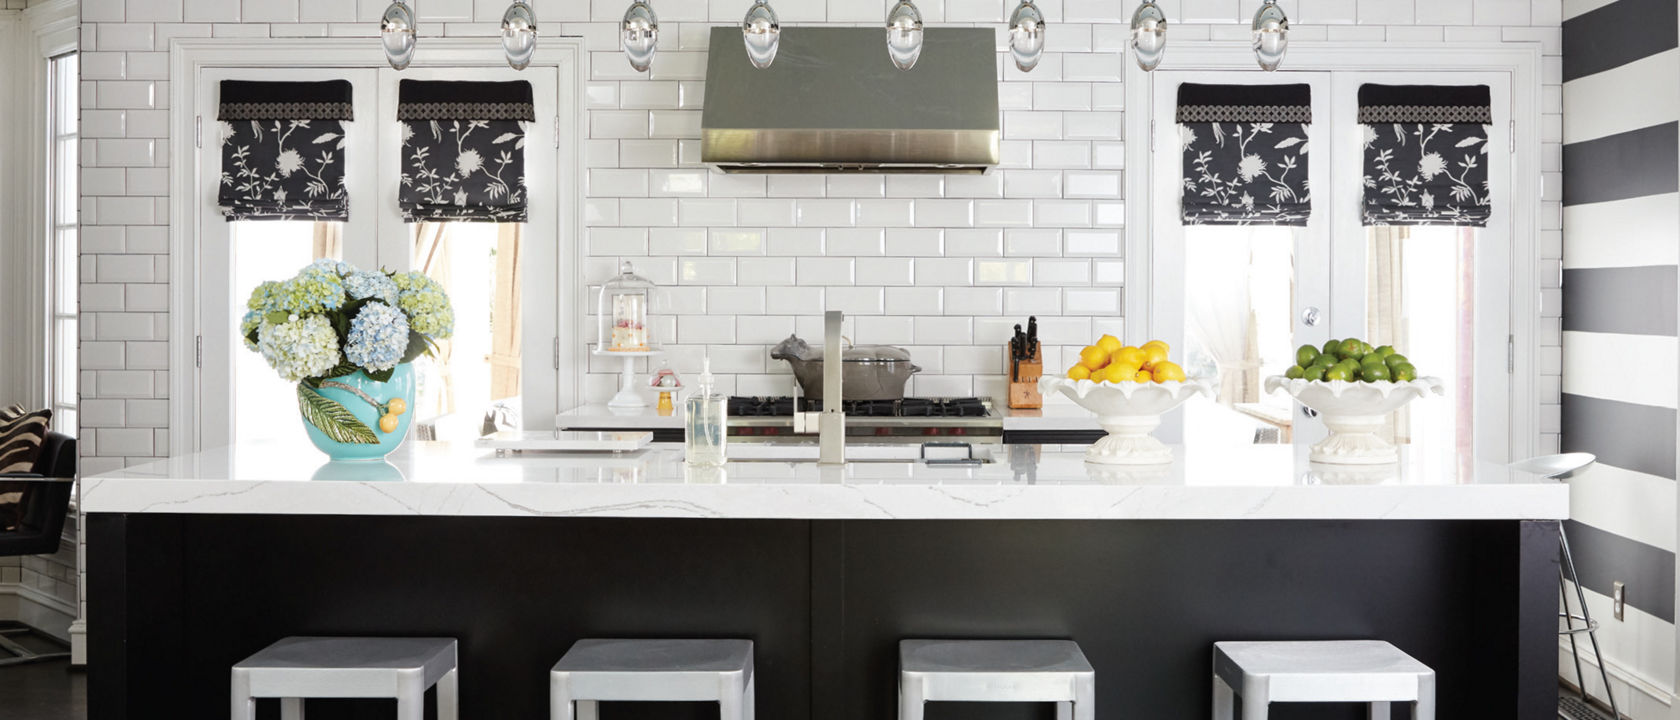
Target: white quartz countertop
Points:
(1056, 415)
(1022, 482)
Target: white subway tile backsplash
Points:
(944, 330)
(886, 329)
(826, 271)
(886, 213)
(676, 241)
(989, 185)
(1032, 242)
(976, 301)
(1003, 213)
(618, 183)
(705, 329)
(768, 212)
(797, 186)
(678, 183)
(826, 213)
(886, 270)
(735, 301)
(906, 301)
(915, 186)
(1003, 272)
(856, 300)
(1053, 154)
(768, 271)
(944, 213)
(707, 271)
(854, 241)
(1033, 183)
(856, 186)
(737, 241)
(974, 243)
(796, 300)
(914, 242)
(944, 271)
(1093, 242)
(1032, 125)
(699, 212)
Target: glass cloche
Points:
(623, 312)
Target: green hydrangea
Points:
(265, 298)
(251, 321)
(316, 289)
(426, 304)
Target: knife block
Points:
(1023, 384)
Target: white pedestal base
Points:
(1353, 441)
(1129, 442)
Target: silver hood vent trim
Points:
(833, 102)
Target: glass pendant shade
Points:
(1026, 35)
(904, 35)
(519, 34)
(762, 33)
(1271, 35)
(396, 34)
(640, 35)
(1149, 36)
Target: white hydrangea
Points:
(300, 347)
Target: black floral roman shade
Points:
(463, 150)
(1245, 153)
(283, 150)
(1426, 154)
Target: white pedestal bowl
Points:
(1129, 411)
(1354, 412)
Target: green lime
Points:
(1385, 350)
(1305, 355)
(1314, 373)
(1394, 360)
(1366, 348)
(1331, 347)
(1295, 372)
(1352, 348)
(1404, 372)
(1350, 364)
(1338, 373)
(1372, 359)
(1324, 361)
(1374, 373)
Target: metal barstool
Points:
(1564, 467)
(1362, 671)
(593, 671)
(298, 668)
(1053, 671)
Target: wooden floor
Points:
(43, 690)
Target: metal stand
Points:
(1589, 626)
(22, 654)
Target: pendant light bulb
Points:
(396, 34)
(1271, 35)
(640, 35)
(519, 34)
(1149, 35)
(762, 33)
(904, 34)
(1026, 35)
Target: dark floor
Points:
(44, 690)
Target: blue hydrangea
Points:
(299, 348)
(335, 267)
(265, 298)
(313, 290)
(367, 284)
(427, 306)
(378, 337)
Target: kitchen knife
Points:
(1031, 349)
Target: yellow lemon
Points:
(1109, 343)
(1154, 354)
(1144, 376)
(1130, 356)
(1168, 371)
(1162, 345)
(1079, 372)
(1093, 357)
(1121, 372)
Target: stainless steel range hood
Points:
(833, 102)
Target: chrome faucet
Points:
(830, 423)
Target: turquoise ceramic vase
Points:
(401, 385)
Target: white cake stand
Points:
(1354, 412)
(629, 396)
(1129, 411)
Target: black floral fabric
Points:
(1426, 154)
(463, 150)
(1245, 154)
(282, 149)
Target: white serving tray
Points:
(567, 441)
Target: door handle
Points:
(1309, 317)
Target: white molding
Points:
(189, 56)
(1626, 683)
(1521, 61)
(38, 610)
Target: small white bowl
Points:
(1354, 412)
(1129, 411)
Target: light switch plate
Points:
(1618, 599)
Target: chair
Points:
(1053, 671)
(596, 670)
(1362, 671)
(398, 668)
(1564, 467)
(41, 508)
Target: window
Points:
(61, 227)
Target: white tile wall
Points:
(944, 265)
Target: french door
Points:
(503, 278)
(1237, 301)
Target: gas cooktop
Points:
(770, 419)
(907, 407)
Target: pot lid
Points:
(794, 348)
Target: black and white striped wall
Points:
(1621, 355)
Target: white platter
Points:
(566, 441)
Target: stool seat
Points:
(1365, 671)
(297, 668)
(996, 671)
(658, 670)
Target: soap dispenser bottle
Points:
(705, 423)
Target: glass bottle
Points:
(705, 423)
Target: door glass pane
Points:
(1420, 292)
(265, 405)
(1239, 287)
(471, 385)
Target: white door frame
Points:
(189, 57)
(1518, 61)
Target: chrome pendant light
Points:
(640, 35)
(1026, 35)
(1149, 35)
(396, 34)
(904, 34)
(519, 34)
(1271, 35)
(762, 33)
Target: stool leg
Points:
(588, 710)
(729, 705)
(291, 708)
(1064, 711)
(1598, 655)
(1382, 711)
(1085, 699)
(559, 698)
(1256, 702)
(1425, 707)
(910, 701)
(411, 707)
(749, 703)
(449, 696)
(1224, 700)
(244, 706)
